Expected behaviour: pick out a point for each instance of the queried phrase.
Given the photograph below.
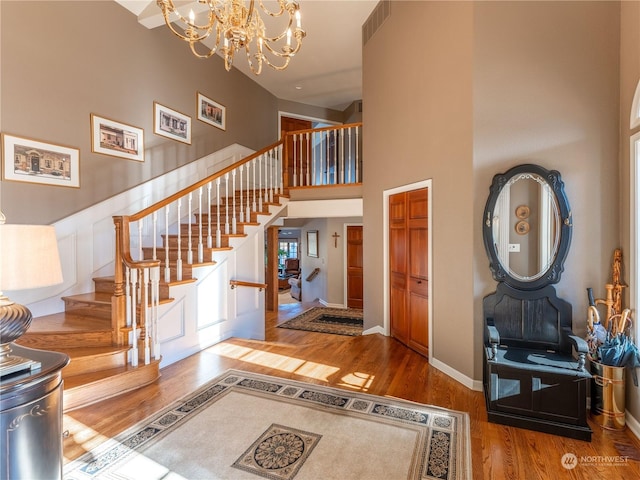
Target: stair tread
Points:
(84, 379)
(78, 352)
(92, 297)
(68, 322)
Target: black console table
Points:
(31, 418)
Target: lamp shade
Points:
(29, 257)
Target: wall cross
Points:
(335, 239)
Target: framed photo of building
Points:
(171, 123)
(312, 243)
(116, 139)
(33, 161)
(211, 112)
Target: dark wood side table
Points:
(31, 418)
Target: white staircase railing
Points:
(187, 228)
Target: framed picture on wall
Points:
(116, 139)
(211, 112)
(312, 243)
(33, 161)
(171, 124)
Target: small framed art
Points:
(33, 161)
(312, 243)
(211, 112)
(171, 123)
(116, 139)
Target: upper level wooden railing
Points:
(187, 227)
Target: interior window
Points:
(635, 229)
(635, 211)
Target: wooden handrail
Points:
(192, 188)
(240, 283)
(323, 129)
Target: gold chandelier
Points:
(236, 27)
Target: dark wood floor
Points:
(373, 364)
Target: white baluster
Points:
(127, 297)
(209, 236)
(233, 203)
(154, 234)
(295, 151)
(155, 295)
(248, 216)
(350, 162)
(254, 184)
(357, 159)
(226, 204)
(308, 149)
(270, 176)
(144, 299)
(218, 232)
(341, 176)
(314, 181)
(334, 136)
(200, 245)
(241, 195)
(189, 242)
(260, 182)
(179, 260)
(133, 304)
(300, 137)
(167, 270)
(279, 170)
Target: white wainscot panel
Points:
(212, 301)
(171, 324)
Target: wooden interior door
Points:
(408, 249)
(288, 124)
(354, 266)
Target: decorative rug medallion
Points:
(278, 453)
(340, 321)
(243, 425)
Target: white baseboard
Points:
(456, 375)
(376, 329)
(331, 305)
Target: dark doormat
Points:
(339, 321)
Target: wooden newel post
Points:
(118, 300)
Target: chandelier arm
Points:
(191, 29)
(259, 58)
(289, 51)
(277, 67)
(283, 7)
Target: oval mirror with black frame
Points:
(527, 227)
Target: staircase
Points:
(112, 334)
(98, 369)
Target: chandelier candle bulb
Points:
(238, 23)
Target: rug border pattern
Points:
(307, 321)
(436, 420)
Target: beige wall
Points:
(82, 57)
(418, 116)
(629, 78)
(492, 85)
(546, 92)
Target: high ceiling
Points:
(327, 72)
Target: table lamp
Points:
(29, 259)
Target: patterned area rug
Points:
(341, 321)
(243, 425)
